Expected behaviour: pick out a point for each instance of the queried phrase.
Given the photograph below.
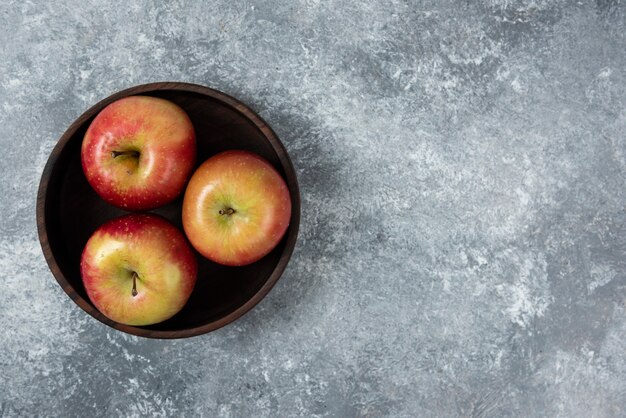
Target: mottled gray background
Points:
(463, 242)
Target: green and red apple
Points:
(139, 152)
(236, 208)
(138, 269)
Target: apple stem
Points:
(134, 154)
(227, 211)
(134, 292)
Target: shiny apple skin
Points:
(248, 184)
(163, 135)
(153, 248)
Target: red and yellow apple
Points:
(138, 152)
(138, 269)
(236, 208)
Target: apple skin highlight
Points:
(139, 152)
(236, 208)
(153, 249)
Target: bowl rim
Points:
(245, 111)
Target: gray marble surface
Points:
(463, 242)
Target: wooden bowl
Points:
(69, 211)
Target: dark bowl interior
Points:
(69, 211)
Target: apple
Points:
(236, 208)
(138, 269)
(139, 152)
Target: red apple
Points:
(139, 152)
(236, 208)
(138, 269)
